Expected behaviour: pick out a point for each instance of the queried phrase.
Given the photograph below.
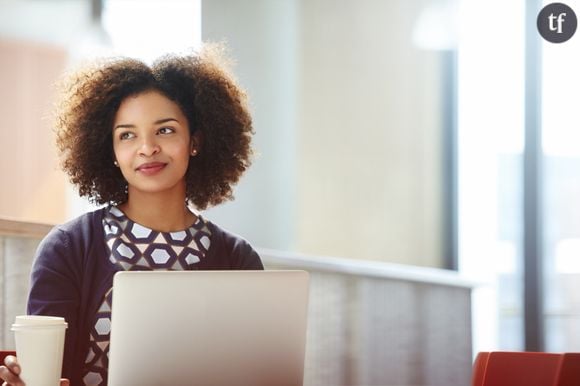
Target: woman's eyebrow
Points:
(164, 120)
(157, 122)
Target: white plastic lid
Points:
(32, 321)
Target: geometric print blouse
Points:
(133, 247)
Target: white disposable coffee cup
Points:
(39, 348)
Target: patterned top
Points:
(133, 247)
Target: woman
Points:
(148, 142)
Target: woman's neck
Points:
(158, 212)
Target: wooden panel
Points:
(23, 229)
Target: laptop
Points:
(210, 328)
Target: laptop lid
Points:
(208, 328)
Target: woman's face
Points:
(152, 143)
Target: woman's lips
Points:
(151, 168)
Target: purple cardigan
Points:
(71, 274)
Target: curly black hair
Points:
(199, 84)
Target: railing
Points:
(373, 323)
(18, 242)
(370, 323)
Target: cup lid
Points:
(38, 320)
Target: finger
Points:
(5, 374)
(12, 363)
(9, 377)
(64, 382)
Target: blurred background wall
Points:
(32, 187)
(348, 127)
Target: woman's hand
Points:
(10, 373)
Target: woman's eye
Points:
(166, 130)
(126, 135)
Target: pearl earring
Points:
(116, 163)
(194, 152)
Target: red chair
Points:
(499, 368)
(569, 374)
(479, 367)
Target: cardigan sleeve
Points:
(230, 251)
(54, 287)
(245, 256)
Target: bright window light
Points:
(567, 252)
(147, 29)
(561, 80)
(490, 122)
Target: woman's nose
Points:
(149, 147)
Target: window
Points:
(490, 152)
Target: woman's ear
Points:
(195, 143)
